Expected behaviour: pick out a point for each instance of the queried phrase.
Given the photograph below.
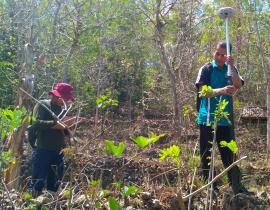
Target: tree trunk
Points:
(97, 95)
(15, 143)
(173, 85)
(169, 69)
(268, 114)
(266, 71)
(16, 139)
(55, 22)
(75, 41)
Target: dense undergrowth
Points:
(138, 178)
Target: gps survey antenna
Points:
(226, 13)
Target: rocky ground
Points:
(94, 176)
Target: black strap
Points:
(208, 68)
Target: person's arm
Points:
(236, 78)
(227, 90)
(203, 78)
(40, 114)
(238, 81)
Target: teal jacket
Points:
(217, 79)
(47, 137)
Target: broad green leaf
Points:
(113, 204)
(206, 90)
(105, 101)
(172, 152)
(6, 159)
(115, 150)
(10, 120)
(231, 145)
(128, 190)
(143, 141)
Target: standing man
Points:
(214, 74)
(47, 156)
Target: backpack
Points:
(31, 135)
(32, 130)
(207, 69)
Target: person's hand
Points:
(230, 61)
(229, 90)
(59, 126)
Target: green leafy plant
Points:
(95, 193)
(129, 190)
(143, 141)
(206, 90)
(68, 193)
(94, 183)
(172, 152)
(30, 205)
(113, 149)
(10, 119)
(231, 145)
(118, 185)
(103, 193)
(194, 161)
(113, 204)
(188, 111)
(27, 196)
(6, 159)
(219, 112)
(33, 207)
(106, 101)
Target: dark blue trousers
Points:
(224, 133)
(47, 169)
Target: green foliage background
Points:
(111, 46)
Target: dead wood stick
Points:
(213, 180)
(8, 194)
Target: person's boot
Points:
(235, 179)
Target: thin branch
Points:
(216, 178)
(8, 194)
(193, 177)
(45, 107)
(164, 173)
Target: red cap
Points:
(63, 90)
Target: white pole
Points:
(229, 72)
